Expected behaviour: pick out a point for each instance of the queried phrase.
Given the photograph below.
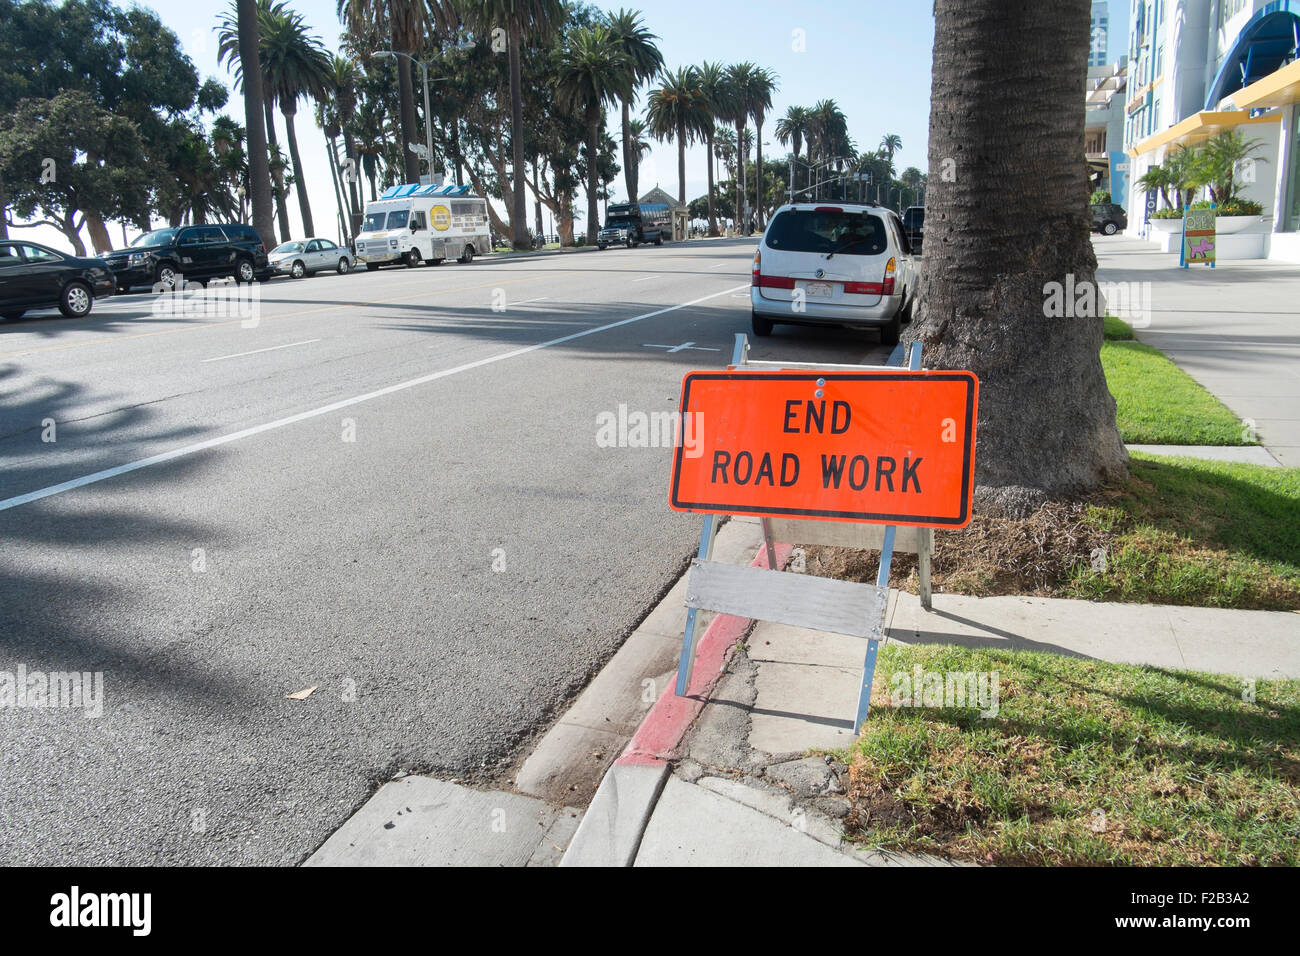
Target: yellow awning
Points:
(1279, 88)
(1197, 128)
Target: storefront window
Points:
(1292, 223)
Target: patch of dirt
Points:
(992, 555)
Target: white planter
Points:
(1227, 225)
(1166, 225)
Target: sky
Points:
(871, 57)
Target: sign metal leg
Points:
(877, 630)
(925, 546)
(769, 544)
(686, 664)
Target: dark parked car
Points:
(33, 276)
(198, 253)
(914, 227)
(1108, 218)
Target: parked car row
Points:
(34, 276)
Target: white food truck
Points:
(412, 224)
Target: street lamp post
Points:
(428, 121)
(424, 75)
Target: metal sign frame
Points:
(824, 604)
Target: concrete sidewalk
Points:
(1234, 328)
(740, 787)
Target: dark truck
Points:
(631, 224)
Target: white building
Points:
(1198, 68)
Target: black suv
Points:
(1108, 218)
(196, 253)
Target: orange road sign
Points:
(888, 447)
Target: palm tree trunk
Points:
(758, 170)
(277, 174)
(681, 163)
(742, 221)
(259, 177)
(593, 177)
(350, 150)
(333, 148)
(1046, 418)
(629, 167)
(405, 102)
(537, 196)
(300, 181)
(519, 201)
(713, 222)
(4, 213)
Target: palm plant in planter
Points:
(1216, 164)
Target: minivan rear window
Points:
(828, 230)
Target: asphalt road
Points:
(386, 489)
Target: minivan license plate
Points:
(820, 289)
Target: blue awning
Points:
(1269, 41)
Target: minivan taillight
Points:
(758, 258)
(888, 287)
(772, 282)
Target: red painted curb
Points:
(656, 740)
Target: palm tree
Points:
(408, 24)
(294, 64)
(829, 130)
(343, 94)
(1217, 161)
(1157, 178)
(739, 78)
(675, 111)
(639, 145)
(890, 143)
(232, 159)
(717, 107)
(593, 70)
(793, 128)
(725, 147)
(643, 61)
(371, 140)
(1046, 419)
(759, 102)
(241, 47)
(533, 20)
(1181, 163)
(228, 47)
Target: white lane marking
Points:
(681, 348)
(720, 265)
(538, 299)
(646, 278)
(222, 358)
(175, 453)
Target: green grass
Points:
(1117, 329)
(1085, 762)
(1157, 402)
(1206, 533)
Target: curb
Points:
(610, 831)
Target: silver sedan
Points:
(300, 257)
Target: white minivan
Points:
(844, 264)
